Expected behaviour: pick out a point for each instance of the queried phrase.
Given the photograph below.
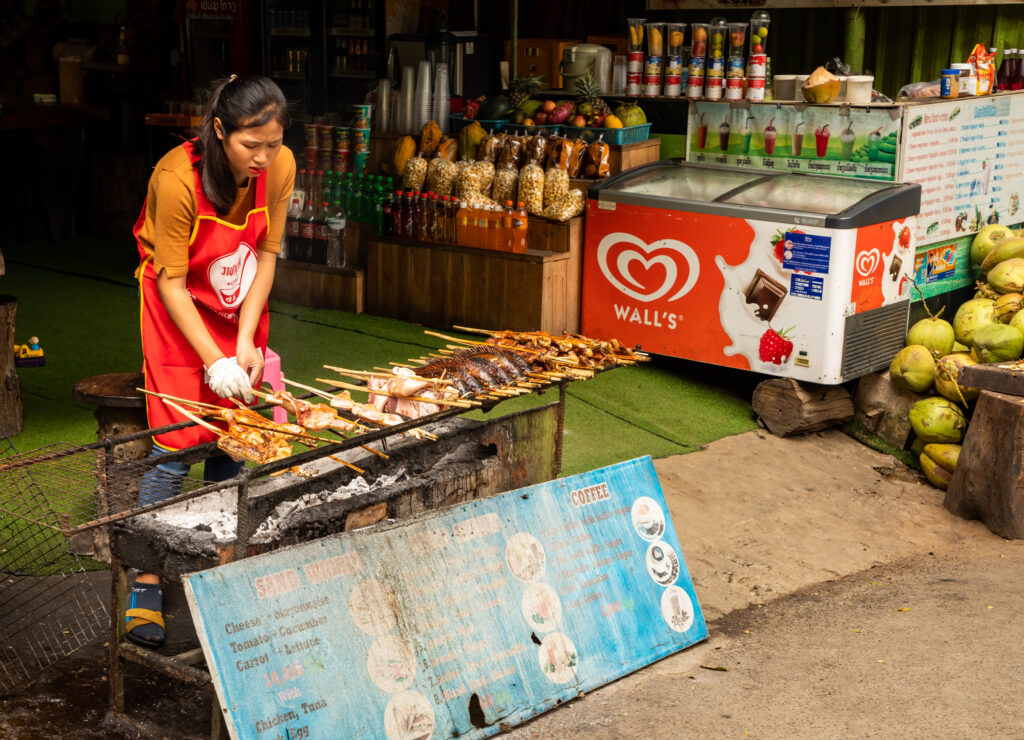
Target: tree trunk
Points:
(10, 386)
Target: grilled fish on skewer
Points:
(315, 416)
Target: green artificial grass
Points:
(82, 302)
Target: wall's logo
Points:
(867, 262)
(231, 275)
(635, 267)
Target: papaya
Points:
(469, 140)
(430, 139)
(404, 148)
(449, 149)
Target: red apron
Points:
(221, 268)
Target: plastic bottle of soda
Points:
(409, 215)
(520, 223)
(483, 222)
(462, 224)
(397, 213)
(335, 230)
(302, 186)
(319, 251)
(387, 207)
(292, 231)
(422, 214)
(307, 227)
(507, 232)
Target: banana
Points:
(636, 36)
(654, 40)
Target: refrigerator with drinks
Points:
(795, 275)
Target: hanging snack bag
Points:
(489, 149)
(577, 152)
(596, 164)
(505, 186)
(478, 178)
(414, 174)
(511, 153)
(531, 189)
(556, 185)
(441, 176)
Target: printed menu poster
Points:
(825, 140)
(455, 623)
(968, 156)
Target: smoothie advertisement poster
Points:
(775, 136)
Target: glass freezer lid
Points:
(810, 194)
(703, 185)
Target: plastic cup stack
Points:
(424, 99)
(757, 60)
(382, 111)
(407, 101)
(441, 104)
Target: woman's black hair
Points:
(243, 102)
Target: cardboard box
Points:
(540, 57)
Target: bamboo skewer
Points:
(167, 396)
(367, 374)
(192, 417)
(439, 401)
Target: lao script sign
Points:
(451, 623)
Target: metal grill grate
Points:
(49, 605)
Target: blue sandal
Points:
(143, 617)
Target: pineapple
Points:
(523, 88)
(591, 106)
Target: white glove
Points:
(227, 379)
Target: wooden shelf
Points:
(444, 284)
(317, 286)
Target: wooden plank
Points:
(992, 377)
(339, 289)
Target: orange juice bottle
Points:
(471, 229)
(507, 233)
(483, 223)
(462, 224)
(493, 228)
(520, 223)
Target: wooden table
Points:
(988, 483)
(120, 410)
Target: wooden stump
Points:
(988, 483)
(11, 422)
(883, 407)
(788, 407)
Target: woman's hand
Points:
(250, 359)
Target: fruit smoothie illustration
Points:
(723, 135)
(874, 141)
(769, 138)
(748, 134)
(846, 140)
(702, 133)
(798, 139)
(821, 135)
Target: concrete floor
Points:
(842, 601)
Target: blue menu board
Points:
(453, 622)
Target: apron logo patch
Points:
(231, 276)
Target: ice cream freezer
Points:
(796, 275)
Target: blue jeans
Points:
(165, 480)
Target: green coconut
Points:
(913, 368)
(987, 239)
(938, 419)
(1007, 306)
(1005, 249)
(971, 316)
(937, 475)
(945, 455)
(1017, 322)
(1008, 276)
(917, 447)
(957, 347)
(998, 343)
(947, 377)
(934, 333)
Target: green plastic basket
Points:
(457, 123)
(626, 135)
(554, 129)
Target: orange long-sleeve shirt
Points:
(171, 208)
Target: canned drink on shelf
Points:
(713, 88)
(758, 65)
(635, 63)
(735, 67)
(361, 119)
(634, 84)
(673, 66)
(652, 86)
(673, 86)
(696, 66)
(755, 89)
(342, 137)
(716, 67)
(359, 163)
(695, 87)
(360, 140)
(312, 135)
(734, 88)
(312, 158)
(653, 66)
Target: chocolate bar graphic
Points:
(766, 294)
(894, 268)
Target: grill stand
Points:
(528, 445)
